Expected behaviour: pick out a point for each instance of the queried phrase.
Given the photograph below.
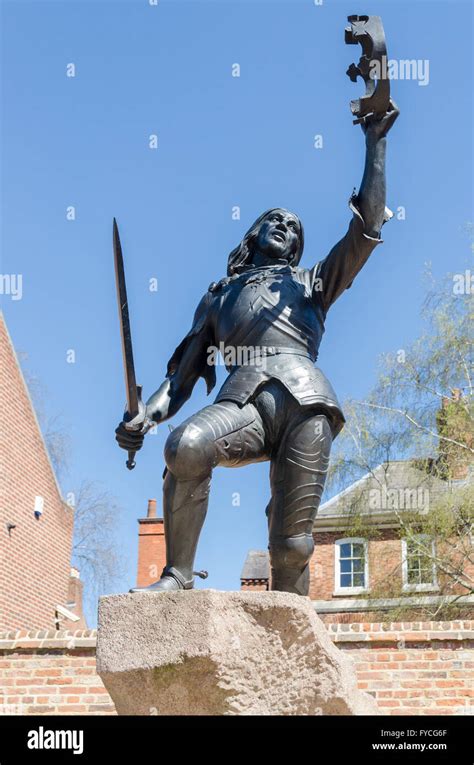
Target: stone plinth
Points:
(201, 652)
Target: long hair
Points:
(242, 254)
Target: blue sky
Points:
(222, 141)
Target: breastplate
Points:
(269, 307)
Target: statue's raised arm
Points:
(376, 112)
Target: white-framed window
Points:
(418, 566)
(351, 566)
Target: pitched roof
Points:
(397, 485)
(256, 566)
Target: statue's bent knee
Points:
(189, 453)
(292, 552)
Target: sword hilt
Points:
(130, 463)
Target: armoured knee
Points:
(292, 552)
(189, 453)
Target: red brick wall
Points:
(151, 551)
(51, 673)
(35, 556)
(414, 668)
(257, 585)
(385, 563)
(385, 567)
(385, 559)
(322, 567)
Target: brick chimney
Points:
(151, 547)
(454, 421)
(255, 574)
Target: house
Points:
(369, 556)
(372, 550)
(38, 587)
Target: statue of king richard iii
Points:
(277, 406)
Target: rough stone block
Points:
(209, 652)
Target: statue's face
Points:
(278, 234)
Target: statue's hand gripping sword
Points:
(131, 421)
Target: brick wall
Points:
(35, 555)
(256, 585)
(385, 559)
(414, 668)
(51, 673)
(151, 548)
(384, 567)
(321, 566)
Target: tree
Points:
(53, 428)
(421, 410)
(95, 550)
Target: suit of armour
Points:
(278, 407)
(267, 318)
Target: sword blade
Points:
(125, 333)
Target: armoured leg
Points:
(298, 474)
(220, 434)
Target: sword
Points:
(133, 391)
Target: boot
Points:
(184, 510)
(170, 581)
(291, 580)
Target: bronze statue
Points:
(275, 405)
